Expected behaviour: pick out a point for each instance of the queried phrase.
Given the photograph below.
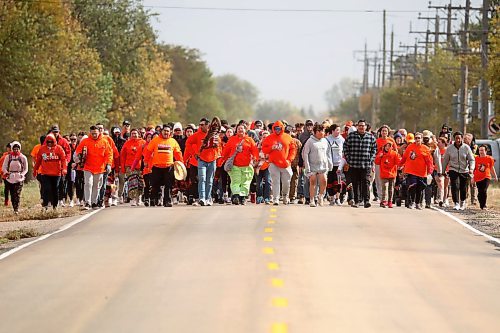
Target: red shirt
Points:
(483, 167)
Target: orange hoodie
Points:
(51, 161)
(193, 147)
(243, 158)
(129, 151)
(388, 162)
(280, 147)
(1, 163)
(417, 160)
(382, 142)
(161, 152)
(99, 154)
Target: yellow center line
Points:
(268, 239)
(272, 266)
(280, 302)
(268, 230)
(279, 328)
(273, 216)
(271, 222)
(268, 250)
(278, 283)
(274, 210)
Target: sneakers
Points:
(418, 206)
(337, 202)
(301, 201)
(367, 205)
(462, 205)
(259, 200)
(383, 204)
(209, 202)
(389, 204)
(308, 201)
(333, 202)
(242, 200)
(312, 204)
(133, 204)
(61, 203)
(6, 202)
(167, 204)
(350, 202)
(235, 200)
(267, 201)
(457, 206)
(447, 203)
(202, 202)
(320, 201)
(428, 206)
(286, 200)
(71, 203)
(196, 203)
(441, 204)
(276, 202)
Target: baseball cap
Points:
(309, 122)
(54, 128)
(125, 122)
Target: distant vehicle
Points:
(493, 150)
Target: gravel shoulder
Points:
(487, 221)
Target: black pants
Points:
(330, 178)
(193, 178)
(61, 190)
(15, 193)
(482, 192)
(459, 184)
(147, 187)
(70, 185)
(162, 177)
(50, 190)
(5, 190)
(416, 187)
(79, 185)
(361, 184)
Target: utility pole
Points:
(383, 52)
(464, 69)
(485, 91)
(436, 34)
(391, 56)
(448, 25)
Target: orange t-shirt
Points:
(243, 158)
(129, 151)
(1, 162)
(388, 164)
(33, 154)
(483, 167)
(161, 152)
(99, 154)
(417, 160)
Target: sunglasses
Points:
(127, 125)
(203, 124)
(177, 130)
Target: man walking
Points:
(360, 149)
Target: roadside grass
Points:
(18, 234)
(30, 207)
(494, 196)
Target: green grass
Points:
(30, 207)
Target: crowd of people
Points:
(307, 163)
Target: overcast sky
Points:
(294, 56)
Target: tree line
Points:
(81, 62)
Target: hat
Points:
(116, 130)
(410, 138)
(54, 128)
(397, 135)
(309, 122)
(180, 172)
(352, 129)
(177, 126)
(15, 143)
(426, 134)
(349, 123)
(125, 122)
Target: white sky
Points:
(293, 56)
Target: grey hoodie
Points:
(336, 147)
(459, 159)
(317, 155)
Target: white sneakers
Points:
(320, 201)
(71, 203)
(457, 206)
(462, 205)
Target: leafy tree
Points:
(340, 91)
(237, 96)
(192, 85)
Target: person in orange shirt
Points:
(263, 175)
(36, 173)
(387, 159)
(244, 149)
(205, 154)
(52, 163)
(281, 150)
(417, 163)
(97, 163)
(159, 155)
(115, 166)
(483, 174)
(381, 141)
(127, 157)
(146, 170)
(6, 187)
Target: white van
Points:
(493, 150)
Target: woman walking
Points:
(14, 169)
(241, 149)
(483, 174)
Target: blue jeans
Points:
(206, 172)
(264, 184)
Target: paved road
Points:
(255, 269)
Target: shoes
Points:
(95, 206)
(71, 203)
(196, 203)
(276, 202)
(6, 202)
(146, 203)
(209, 202)
(428, 206)
(202, 202)
(312, 204)
(462, 205)
(418, 206)
(301, 201)
(375, 199)
(367, 205)
(389, 205)
(441, 204)
(267, 201)
(235, 200)
(320, 201)
(220, 201)
(383, 204)
(350, 202)
(286, 200)
(242, 200)
(446, 203)
(167, 204)
(337, 202)
(133, 204)
(308, 201)
(457, 206)
(16, 212)
(259, 200)
(354, 205)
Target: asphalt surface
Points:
(255, 269)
